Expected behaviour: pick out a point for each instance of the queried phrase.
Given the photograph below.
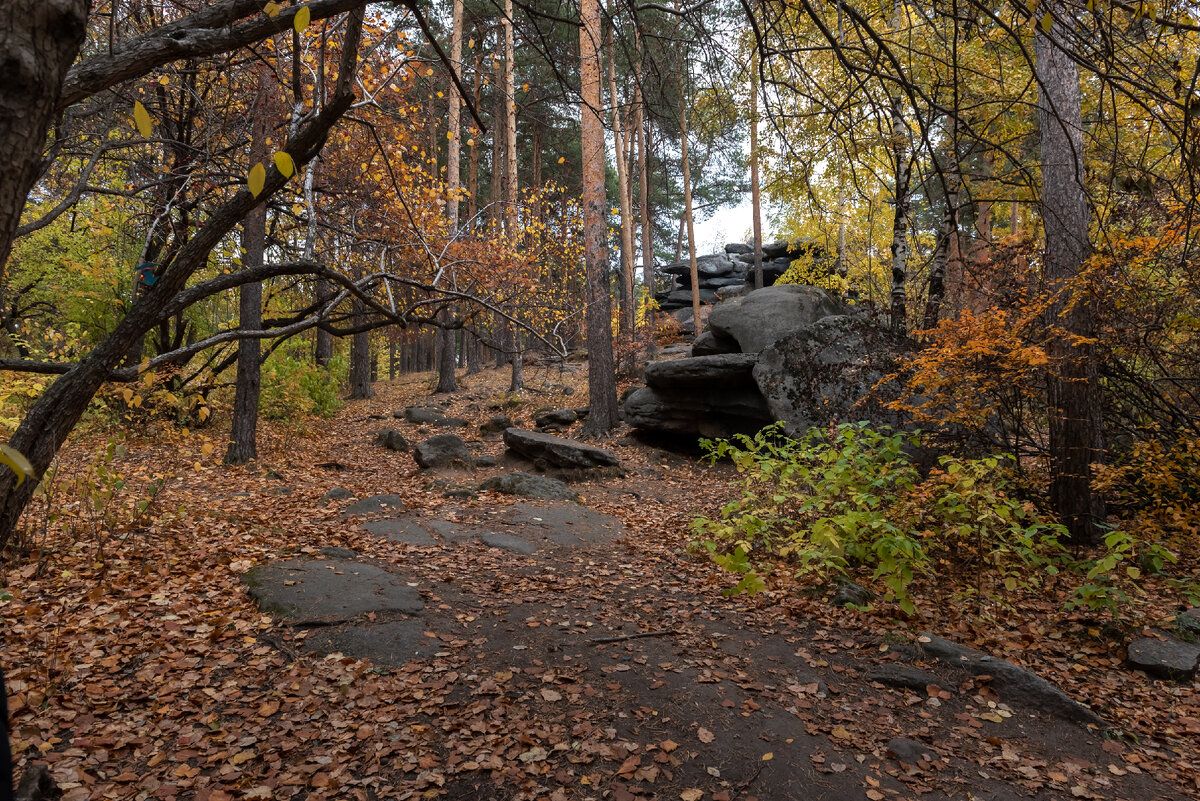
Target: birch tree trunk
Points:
(639, 112)
(1074, 399)
(446, 361)
(900, 224)
(602, 403)
(948, 235)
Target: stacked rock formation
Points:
(726, 274)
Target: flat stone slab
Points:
(391, 644)
(374, 504)
(507, 542)
(1022, 686)
(564, 523)
(558, 451)
(399, 529)
(1166, 658)
(530, 486)
(905, 676)
(329, 590)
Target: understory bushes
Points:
(853, 497)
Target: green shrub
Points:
(851, 497)
(294, 389)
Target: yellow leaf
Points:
(284, 163)
(256, 179)
(141, 118)
(17, 462)
(692, 794)
(164, 80)
(470, 143)
(767, 757)
(128, 395)
(470, 43)
(206, 450)
(1047, 22)
(271, 9)
(302, 18)
(561, 159)
(841, 733)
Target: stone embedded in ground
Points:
(329, 590)
(558, 451)
(496, 424)
(766, 315)
(1164, 658)
(388, 644)
(391, 439)
(1015, 684)
(850, 593)
(507, 542)
(421, 415)
(910, 752)
(401, 530)
(375, 503)
(560, 417)
(530, 486)
(337, 552)
(443, 450)
(564, 523)
(904, 676)
(1189, 620)
(485, 460)
(337, 494)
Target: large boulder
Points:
(684, 297)
(720, 411)
(705, 372)
(530, 486)
(739, 248)
(444, 450)
(712, 266)
(765, 315)
(828, 372)
(558, 451)
(710, 343)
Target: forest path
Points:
(512, 648)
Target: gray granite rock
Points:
(1164, 657)
(329, 590)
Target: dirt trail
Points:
(510, 648)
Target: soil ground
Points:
(589, 656)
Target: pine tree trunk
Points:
(947, 236)
(446, 356)
(644, 189)
(454, 127)
(510, 122)
(602, 408)
(693, 269)
(1074, 397)
(755, 194)
(628, 312)
(243, 446)
(360, 356)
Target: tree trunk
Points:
(474, 349)
(453, 146)
(900, 224)
(628, 312)
(446, 355)
(693, 270)
(243, 445)
(946, 243)
(510, 122)
(644, 187)
(602, 408)
(1074, 399)
(473, 167)
(517, 379)
(755, 195)
(39, 40)
(360, 356)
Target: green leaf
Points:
(141, 119)
(17, 462)
(256, 179)
(285, 165)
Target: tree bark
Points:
(628, 312)
(510, 122)
(755, 195)
(360, 357)
(693, 269)
(947, 236)
(644, 186)
(1074, 399)
(602, 406)
(900, 223)
(453, 147)
(243, 445)
(39, 40)
(446, 356)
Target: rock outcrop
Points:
(553, 451)
(787, 352)
(730, 270)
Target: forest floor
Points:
(603, 662)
